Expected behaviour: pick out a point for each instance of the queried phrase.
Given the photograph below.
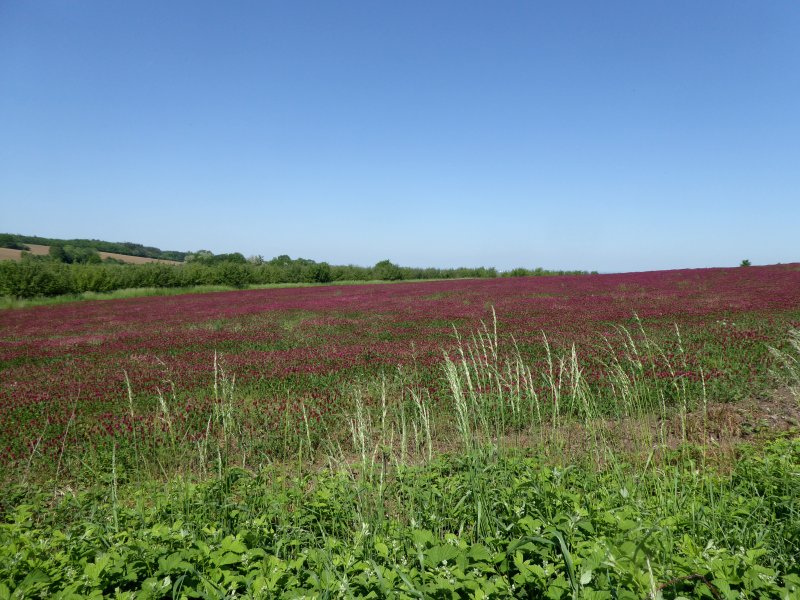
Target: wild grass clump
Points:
(787, 368)
(498, 400)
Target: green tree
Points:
(9, 241)
(233, 274)
(82, 255)
(201, 256)
(319, 273)
(58, 253)
(386, 270)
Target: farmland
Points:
(462, 401)
(42, 250)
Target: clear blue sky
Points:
(614, 136)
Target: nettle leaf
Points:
(358, 567)
(35, 580)
(479, 553)
(22, 515)
(530, 525)
(173, 563)
(558, 589)
(436, 555)
(382, 549)
(203, 548)
(379, 580)
(627, 524)
(454, 540)
(586, 526)
(231, 544)
(254, 557)
(298, 562)
(160, 531)
(500, 558)
(524, 568)
(422, 537)
(792, 581)
(408, 581)
(95, 569)
(228, 558)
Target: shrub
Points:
(233, 274)
(386, 270)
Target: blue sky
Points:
(594, 135)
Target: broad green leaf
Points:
(479, 553)
(439, 554)
(231, 544)
(422, 537)
(382, 549)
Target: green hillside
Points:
(14, 240)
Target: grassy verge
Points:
(479, 525)
(11, 302)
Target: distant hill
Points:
(42, 250)
(117, 250)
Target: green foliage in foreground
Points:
(482, 525)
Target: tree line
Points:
(45, 276)
(74, 269)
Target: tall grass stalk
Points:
(34, 450)
(64, 443)
(358, 429)
(129, 389)
(494, 395)
(424, 427)
(114, 497)
(787, 363)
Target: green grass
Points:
(479, 525)
(10, 302)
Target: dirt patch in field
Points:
(11, 254)
(718, 430)
(769, 416)
(136, 260)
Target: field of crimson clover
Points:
(63, 368)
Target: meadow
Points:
(598, 436)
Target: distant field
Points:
(40, 250)
(11, 254)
